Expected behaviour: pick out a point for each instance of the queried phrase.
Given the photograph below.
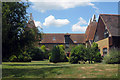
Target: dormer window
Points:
(106, 33)
(54, 38)
(75, 41)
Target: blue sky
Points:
(68, 17)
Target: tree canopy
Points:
(16, 36)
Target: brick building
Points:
(53, 39)
(105, 32)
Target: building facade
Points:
(68, 40)
(105, 33)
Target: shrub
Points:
(81, 53)
(24, 57)
(58, 54)
(113, 57)
(45, 52)
(37, 54)
(13, 58)
(74, 59)
(55, 56)
(94, 54)
(78, 53)
(20, 58)
(98, 57)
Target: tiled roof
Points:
(59, 38)
(78, 38)
(90, 31)
(31, 25)
(111, 22)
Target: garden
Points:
(82, 63)
(22, 58)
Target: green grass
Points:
(45, 69)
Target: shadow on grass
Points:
(34, 64)
(59, 79)
(32, 73)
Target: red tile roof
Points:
(59, 38)
(111, 21)
(90, 31)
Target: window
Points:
(67, 45)
(54, 38)
(106, 33)
(104, 51)
(99, 50)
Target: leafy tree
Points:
(13, 21)
(16, 36)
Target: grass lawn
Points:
(45, 69)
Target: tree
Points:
(13, 21)
(15, 34)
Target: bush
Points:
(58, 54)
(37, 54)
(113, 57)
(98, 57)
(55, 56)
(78, 53)
(81, 53)
(74, 59)
(93, 53)
(13, 58)
(45, 52)
(24, 57)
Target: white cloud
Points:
(80, 26)
(51, 21)
(44, 5)
(38, 24)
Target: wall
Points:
(99, 35)
(103, 44)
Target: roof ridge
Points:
(111, 14)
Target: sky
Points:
(68, 17)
